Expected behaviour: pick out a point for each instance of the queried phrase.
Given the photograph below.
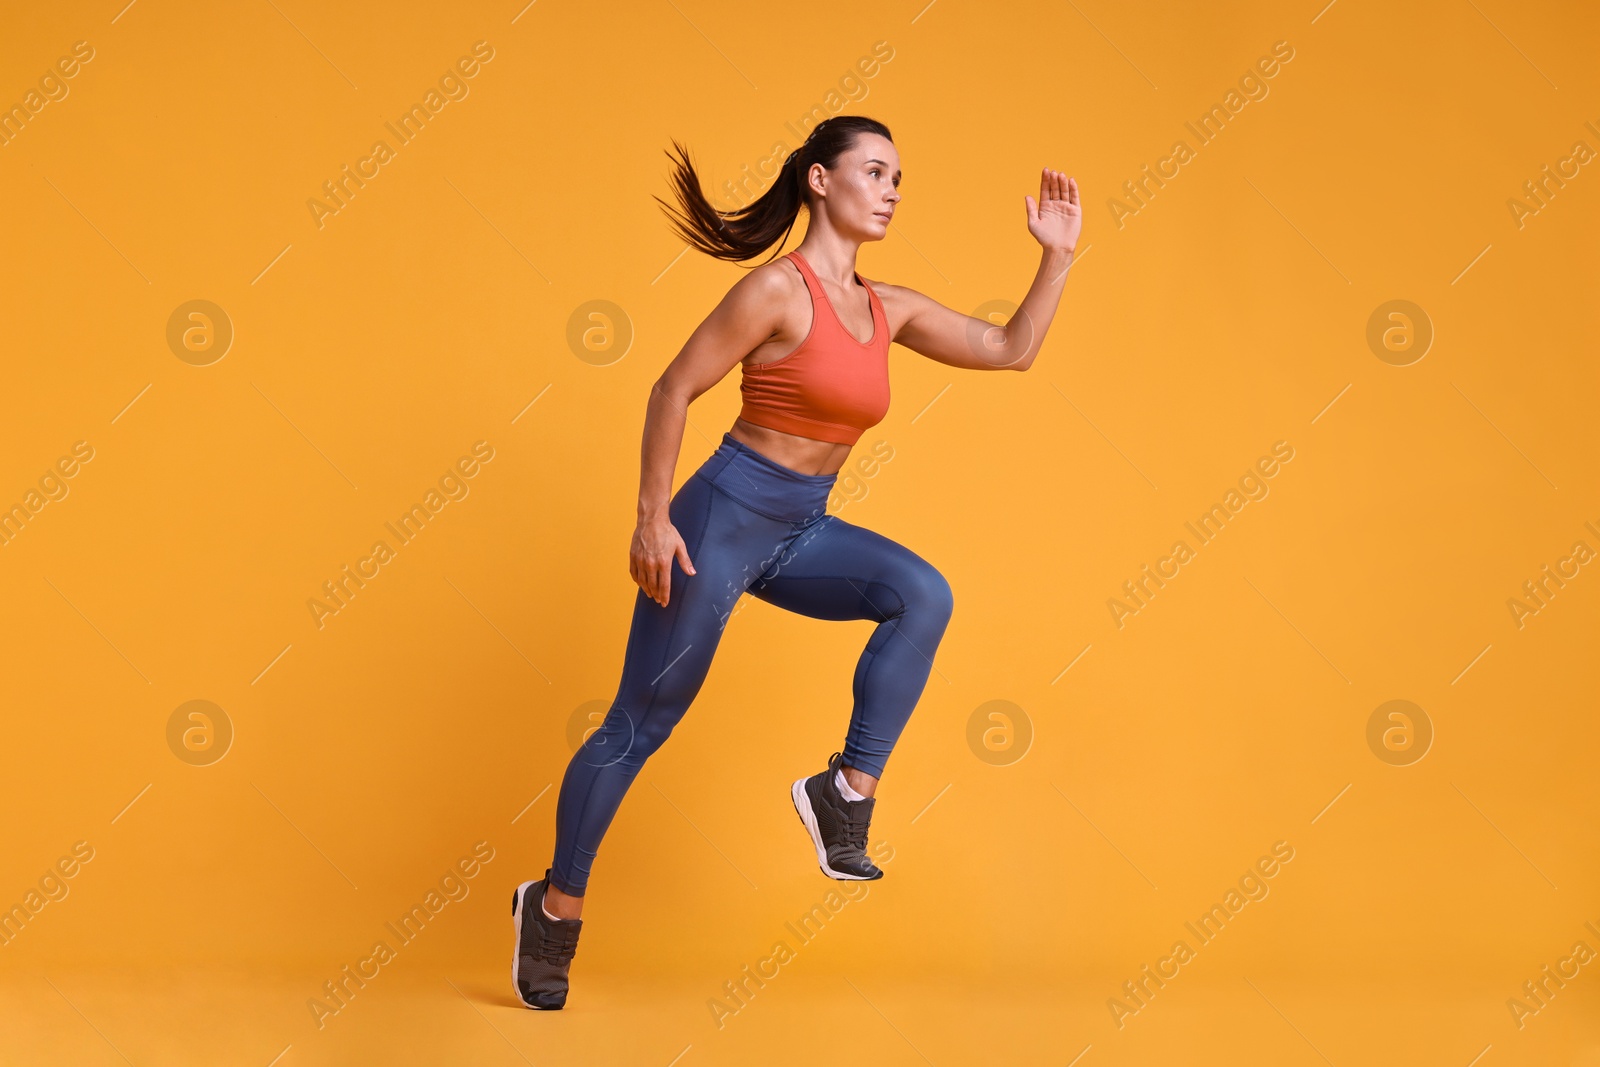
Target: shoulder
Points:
(763, 305)
(772, 281)
(767, 286)
(885, 291)
(895, 298)
(903, 306)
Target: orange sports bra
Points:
(831, 388)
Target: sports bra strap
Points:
(820, 295)
(806, 272)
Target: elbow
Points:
(1017, 362)
(1020, 346)
(673, 393)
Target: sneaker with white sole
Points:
(837, 827)
(545, 948)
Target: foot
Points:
(545, 948)
(838, 827)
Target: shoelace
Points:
(853, 831)
(557, 944)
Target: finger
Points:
(683, 557)
(1044, 185)
(1058, 185)
(1033, 209)
(1072, 190)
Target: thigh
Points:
(837, 570)
(729, 545)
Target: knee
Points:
(930, 593)
(945, 597)
(625, 740)
(651, 735)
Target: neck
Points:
(833, 259)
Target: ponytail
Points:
(746, 232)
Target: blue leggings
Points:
(753, 525)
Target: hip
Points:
(765, 486)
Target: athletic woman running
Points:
(813, 340)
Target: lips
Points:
(884, 215)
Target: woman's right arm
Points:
(750, 314)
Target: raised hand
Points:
(1057, 217)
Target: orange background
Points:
(435, 309)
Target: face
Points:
(862, 189)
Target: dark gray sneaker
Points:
(544, 948)
(838, 827)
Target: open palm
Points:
(1057, 217)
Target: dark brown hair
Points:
(745, 232)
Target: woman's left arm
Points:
(947, 336)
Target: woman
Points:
(813, 339)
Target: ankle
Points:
(560, 906)
(846, 790)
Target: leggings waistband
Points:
(765, 486)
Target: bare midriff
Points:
(804, 454)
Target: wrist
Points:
(1056, 261)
